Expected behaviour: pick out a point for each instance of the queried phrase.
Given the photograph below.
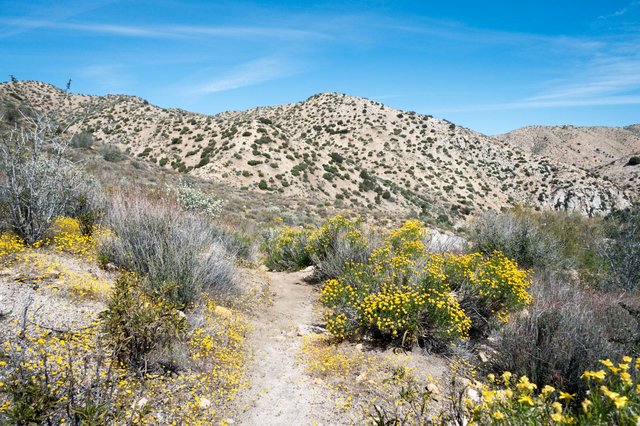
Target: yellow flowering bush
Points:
(403, 290)
(286, 249)
(613, 398)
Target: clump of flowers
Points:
(286, 249)
(77, 377)
(10, 245)
(67, 237)
(613, 398)
(403, 291)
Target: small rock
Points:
(110, 267)
(359, 347)
(483, 357)
(141, 403)
(222, 311)
(204, 403)
(305, 330)
(473, 394)
(361, 377)
(431, 387)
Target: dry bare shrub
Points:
(565, 332)
(516, 235)
(178, 252)
(36, 181)
(621, 251)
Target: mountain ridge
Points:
(339, 150)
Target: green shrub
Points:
(178, 253)
(194, 199)
(286, 249)
(633, 161)
(516, 235)
(82, 140)
(112, 153)
(87, 204)
(402, 291)
(621, 251)
(138, 325)
(338, 241)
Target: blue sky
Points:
(492, 66)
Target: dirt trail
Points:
(281, 393)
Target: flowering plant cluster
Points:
(193, 199)
(403, 290)
(189, 369)
(44, 268)
(613, 398)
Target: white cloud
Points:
(248, 74)
(621, 12)
(165, 31)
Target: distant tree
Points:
(13, 78)
(68, 85)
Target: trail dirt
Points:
(281, 393)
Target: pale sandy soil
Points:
(281, 392)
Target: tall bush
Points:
(286, 249)
(621, 251)
(36, 182)
(403, 291)
(565, 331)
(518, 236)
(336, 243)
(177, 251)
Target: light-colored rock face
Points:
(339, 150)
(604, 151)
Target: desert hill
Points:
(602, 150)
(338, 150)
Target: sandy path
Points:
(281, 393)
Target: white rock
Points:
(204, 403)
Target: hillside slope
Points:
(602, 150)
(340, 150)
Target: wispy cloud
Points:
(111, 78)
(465, 34)
(43, 16)
(541, 104)
(161, 31)
(601, 77)
(621, 12)
(248, 74)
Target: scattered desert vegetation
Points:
(131, 284)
